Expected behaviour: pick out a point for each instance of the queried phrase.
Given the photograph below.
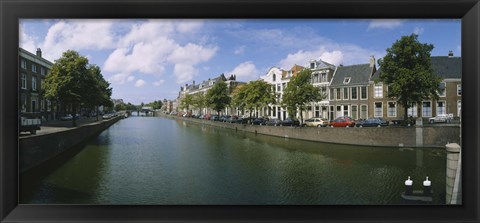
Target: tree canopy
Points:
(299, 92)
(218, 97)
(73, 83)
(254, 95)
(199, 101)
(186, 101)
(407, 70)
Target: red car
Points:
(343, 122)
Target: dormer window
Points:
(274, 77)
(312, 65)
(346, 80)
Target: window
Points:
(459, 108)
(363, 93)
(34, 83)
(339, 95)
(441, 108)
(274, 78)
(324, 77)
(412, 110)
(354, 112)
(378, 109)
(427, 109)
(284, 85)
(274, 112)
(34, 68)
(42, 70)
(378, 90)
(279, 87)
(317, 111)
(24, 81)
(23, 63)
(332, 96)
(392, 109)
(345, 110)
(459, 90)
(345, 93)
(354, 93)
(312, 65)
(442, 90)
(346, 80)
(363, 111)
(23, 102)
(273, 87)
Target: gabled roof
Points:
(358, 74)
(320, 64)
(443, 66)
(447, 67)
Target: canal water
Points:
(162, 161)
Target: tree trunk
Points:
(74, 119)
(301, 117)
(405, 109)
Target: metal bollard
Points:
(408, 186)
(427, 187)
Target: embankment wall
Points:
(38, 149)
(392, 136)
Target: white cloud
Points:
(239, 50)
(336, 54)
(418, 30)
(130, 78)
(26, 42)
(140, 83)
(245, 71)
(158, 83)
(385, 24)
(186, 26)
(77, 35)
(119, 78)
(152, 46)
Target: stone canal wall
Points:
(38, 149)
(431, 136)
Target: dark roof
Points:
(359, 74)
(447, 67)
(443, 66)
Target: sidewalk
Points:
(52, 126)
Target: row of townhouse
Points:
(352, 91)
(32, 71)
(202, 88)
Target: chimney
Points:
(39, 52)
(450, 53)
(372, 61)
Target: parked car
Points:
(214, 118)
(344, 121)
(445, 118)
(242, 120)
(207, 116)
(274, 122)
(316, 122)
(66, 117)
(231, 119)
(224, 118)
(372, 122)
(259, 121)
(290, 122)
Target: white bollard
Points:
(408, 186)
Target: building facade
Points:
(32, 72)
(448, 68)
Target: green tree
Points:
(259, 94)
(239, 95)
(186, 102)
(99, 92)
(68, 80)
(155, 104)
(408, 72)
(218, 97)
(299, 93)
(199, 101)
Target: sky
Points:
(148, 60)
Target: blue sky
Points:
(147, 60)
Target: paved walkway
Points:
(52, 126)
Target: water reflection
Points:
(149, 160)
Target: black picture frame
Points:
(13, 10)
